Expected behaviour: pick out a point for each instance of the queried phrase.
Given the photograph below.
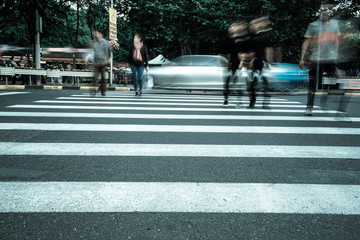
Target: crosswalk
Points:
(170, 129)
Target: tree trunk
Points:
(185, 49)
(77, 21)
(69, 30)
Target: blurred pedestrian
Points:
(237, 43)
(68, 79)
(23, 63)
(14, 65)
(320, 54)
(101, 59)
(139, 60)
(262, 46)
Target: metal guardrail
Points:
(344, 83)
(9, 72)
(78, 75)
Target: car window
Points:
(203, 61)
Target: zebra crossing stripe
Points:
(164, 100)
(32, 106)
(154, 103)
(168, 116)
(167, 96)
(185, 197)
(12, 93)
(179, 150)
(177, 128)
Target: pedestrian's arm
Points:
(109, 54)
(269, 53)
(337, 48)
(305, 48)
(146, 58)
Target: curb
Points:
(51, 87)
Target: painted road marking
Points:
(153, 103)
(178, 150)
(12, 93)
(220, 109)
(169, 116)
(177, 128)
(162, 100)
(186, 197)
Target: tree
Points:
(171, 27)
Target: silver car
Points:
(207, 72)
(191, 72)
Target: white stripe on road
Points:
(177, 128)
(220, 109)
(154, 103)
(167, 100)
(178, 150)
(185, 197)
(12, 93)
(169, 116)
(169, 96)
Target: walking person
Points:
(262, 46)
(14, 65)
(139, 60)
(321, 47)
(236, 44)
(102, 58)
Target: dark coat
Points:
(144, 54)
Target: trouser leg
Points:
(312, 86)
(140, 77)
(103, 80)
(135, 77)
(267, 95)
(344, 101)
(252, 91)
(226, 87)
(94, 81)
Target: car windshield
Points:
(203, 61)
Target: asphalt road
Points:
(175, 165)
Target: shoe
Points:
(251, 106)
(103, 94)
(140, 93)
(342, 116)
(226, 103)
(308, 112)
(266, 107)
(136, 93)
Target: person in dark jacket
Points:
(237, 43)
(138, 60)
(262, 46)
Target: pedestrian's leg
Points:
(94, 81)
(341, 115)
(226, 89)
(140, 78)
(311, 88)
(323, 101)
(252, 91)
(103, 80)
(267, 96)
(135, 78)
(344, 101)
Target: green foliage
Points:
(170, 27)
